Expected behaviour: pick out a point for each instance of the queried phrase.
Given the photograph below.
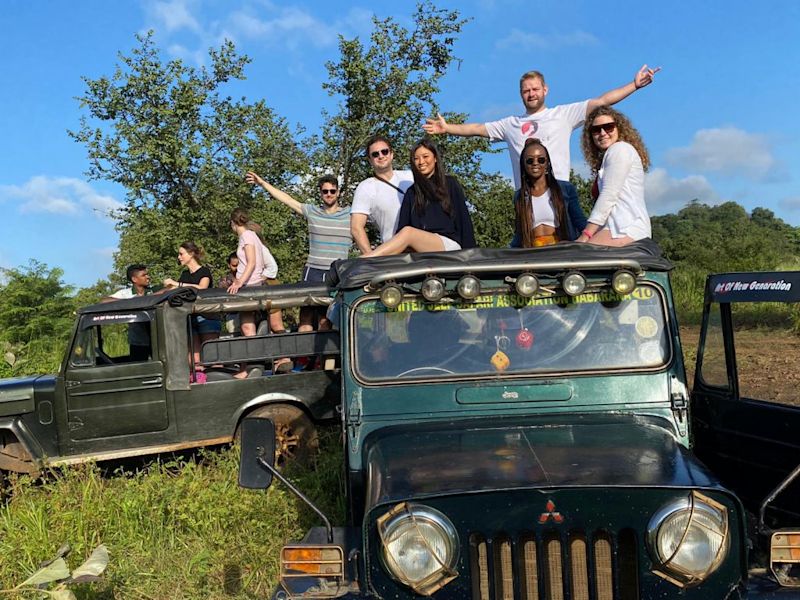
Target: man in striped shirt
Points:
(329, 237)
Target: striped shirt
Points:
(329, 237)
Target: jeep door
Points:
(745, 413)
(114, 380)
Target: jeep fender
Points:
(19, 450)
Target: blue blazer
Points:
(576, 220)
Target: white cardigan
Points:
(620, 206)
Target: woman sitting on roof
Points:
(547, 210)
(616, 154)
(433, 216)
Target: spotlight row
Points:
(468, 287)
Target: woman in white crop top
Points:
(616, 154)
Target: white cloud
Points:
(665, 194)
(59, 195)
(173, 15)
(729, 151)
(523, 40)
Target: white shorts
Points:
(449, 244)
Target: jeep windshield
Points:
(506, 334)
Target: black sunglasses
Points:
(607, 127)
(382, 151)
(325, 192)
(535, 159)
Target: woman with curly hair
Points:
(617, 156)
(433, 216)
(547, 210)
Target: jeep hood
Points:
(619, 451)
(16, 394)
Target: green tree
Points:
(179, 147)
(388, 84)
(36, 316)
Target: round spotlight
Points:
(391, 295)
(527, 285)
(573, 283)
(468, 287)
(433, 289)
(623, 282)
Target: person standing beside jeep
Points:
(379, 197)
(329, 237)
(553, 126)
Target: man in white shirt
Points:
(551, 125)
(378, 198)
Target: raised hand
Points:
(253, 179)
(435, 126)
(644, 76)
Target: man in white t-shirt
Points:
(378, 198)
(551, 125)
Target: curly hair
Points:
(627, 133)
(522, 209)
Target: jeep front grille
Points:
(555, 566)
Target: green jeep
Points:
(517, 425)
(125, 385)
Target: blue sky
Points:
(720, 120)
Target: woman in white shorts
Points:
(434, 215)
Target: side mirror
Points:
(257, 460)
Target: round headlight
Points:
(391, 295)
(468, 287)
(527, 285)
(573, 283)
(689, 538)
(420, 546)
(623, 282)
(433, 289)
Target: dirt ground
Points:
(768, 363)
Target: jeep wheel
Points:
(295, 435)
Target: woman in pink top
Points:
(248, 272)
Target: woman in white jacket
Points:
(617, 156)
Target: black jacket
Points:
(456, 226)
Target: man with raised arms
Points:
(378, 198)
(552, 126)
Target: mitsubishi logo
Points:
(550, 513)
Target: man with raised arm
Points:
(553, 126)
(378, 198)
(328, 235)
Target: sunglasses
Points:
(535, 159)
(326, 192)
(381, 152)
(607, 127)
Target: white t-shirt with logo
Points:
(381, 202)
(551, 125)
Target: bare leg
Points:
(248, 325)
(276, 322)
(409, 237)
(306, 319)
(603, 238)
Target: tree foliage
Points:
(726, 238)
(179, 147)
(36, 316)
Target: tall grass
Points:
(177, 528)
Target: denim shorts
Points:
(203, 325)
